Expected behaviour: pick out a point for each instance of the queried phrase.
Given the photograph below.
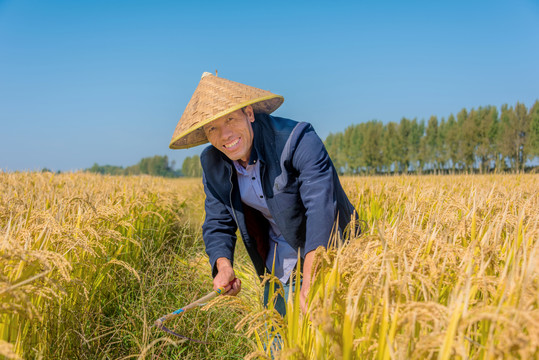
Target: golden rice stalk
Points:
(6, 351)
(449, 268)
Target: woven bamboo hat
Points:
(213, 98)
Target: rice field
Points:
(447, 269)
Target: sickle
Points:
(164, 328)
(160, 323)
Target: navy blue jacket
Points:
(300, 184)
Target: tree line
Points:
(155, 166)
(478, 140)
(191, 166)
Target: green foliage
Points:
(191, 166)
(156, 166)
(475, 140)
(107, 169)
(533, 140)
(514, 134)
(452, 141)
(391, 146)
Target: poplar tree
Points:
(404, 129)
(533, 140)
(452, 141)
(467, 137)
(335, 148)
(514, 129)
(372, 146)
(391, 147)
(486, 127)
(443, 146)
(416, 156)
(432, 156)
(191, 166)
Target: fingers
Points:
(235, 288)
(226, 278)
(221, 281)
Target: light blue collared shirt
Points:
(252, 195)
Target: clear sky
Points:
(84, 82)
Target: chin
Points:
(232, 157)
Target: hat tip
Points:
(205, 73)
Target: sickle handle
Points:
(159, 322)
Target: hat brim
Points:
(195, 135)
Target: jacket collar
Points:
(254, 154)
(257, 139)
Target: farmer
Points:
(270, 177)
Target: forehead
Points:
(233, 115)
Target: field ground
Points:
(447, 268)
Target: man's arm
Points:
(307, 277)
(219, 234)
(317, 190)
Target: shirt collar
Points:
(244, 171)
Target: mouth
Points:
(231, 145)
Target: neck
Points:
(243, 163)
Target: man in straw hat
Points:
(268, 176)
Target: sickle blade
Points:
(164, 328)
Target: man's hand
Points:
(306, 284)
(225, 274)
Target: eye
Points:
(210, 129)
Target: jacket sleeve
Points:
(219, 228)
(317, 189)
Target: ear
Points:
(250, 113)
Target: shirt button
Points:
(253, 178)
(261, 196)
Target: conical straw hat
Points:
(215, 97)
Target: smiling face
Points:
(232, 134)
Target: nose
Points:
(226, 132)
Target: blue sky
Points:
(106, 81)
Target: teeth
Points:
(232, 143)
